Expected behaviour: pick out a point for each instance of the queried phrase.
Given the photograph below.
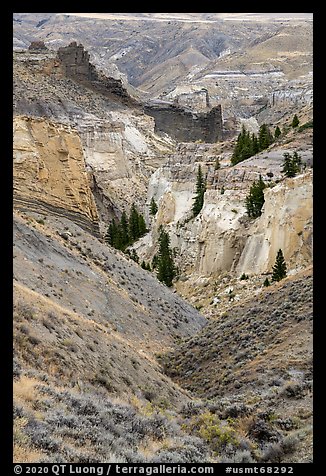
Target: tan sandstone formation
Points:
(286, 223)
(49, 171)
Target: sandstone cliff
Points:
(286, 223)
(49, 170)
(222, 238)
(120, 146)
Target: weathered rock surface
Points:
(286, 223)
(37, 45)
(184, 125)
(120, 145)
(49, 170)
(222, 238)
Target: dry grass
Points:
(24, 391)
(26, 455)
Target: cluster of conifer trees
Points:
(124, 232)
(249, 144)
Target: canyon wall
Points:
(222, 238)
(49, 171)
(184, 125)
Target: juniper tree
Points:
(279, 268)
(165, 267)
(255, 199)
(200, 192)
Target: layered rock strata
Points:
(184, 125)
(49, 171)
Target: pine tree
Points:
(113, 234)
(124, 230)
(265, 137)
(279, 268)
(141, 225)
(166, 269)
(153, 208)
(266, 282)
(277, 132)
(217, 164)
(295, 121)
(200, 192)
(143, 265)
(255, 144)
(255, 200)
(288, 169)
(297, 162)
(155, 262)
(291, 164)
(133, 224)
(236, 156)
(134, 256)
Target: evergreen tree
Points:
(143, 265)
(255, 200)
(279, 268)
(295, 121)
(155, 262)
(134, 256)
(200, 192)
(297, 162)
(166, 269)
(288, 169)
(277, 132)
(265, 137)
(243, 147)
(217, 164)
(113, 234)
(153, 207)
(124, 230)
(236, 156)
(255, 144)
(133, 224)
(141, 225)
(266, 282)
(291, 164)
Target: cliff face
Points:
(184, 125)
(222, 238)
(49, 171)
(286, 223)
(75, 62)
(120, 146)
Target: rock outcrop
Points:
(184, 125)
(286, 223)
(37, 45)
(222, 238)
(49, 171)
(76, 65)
